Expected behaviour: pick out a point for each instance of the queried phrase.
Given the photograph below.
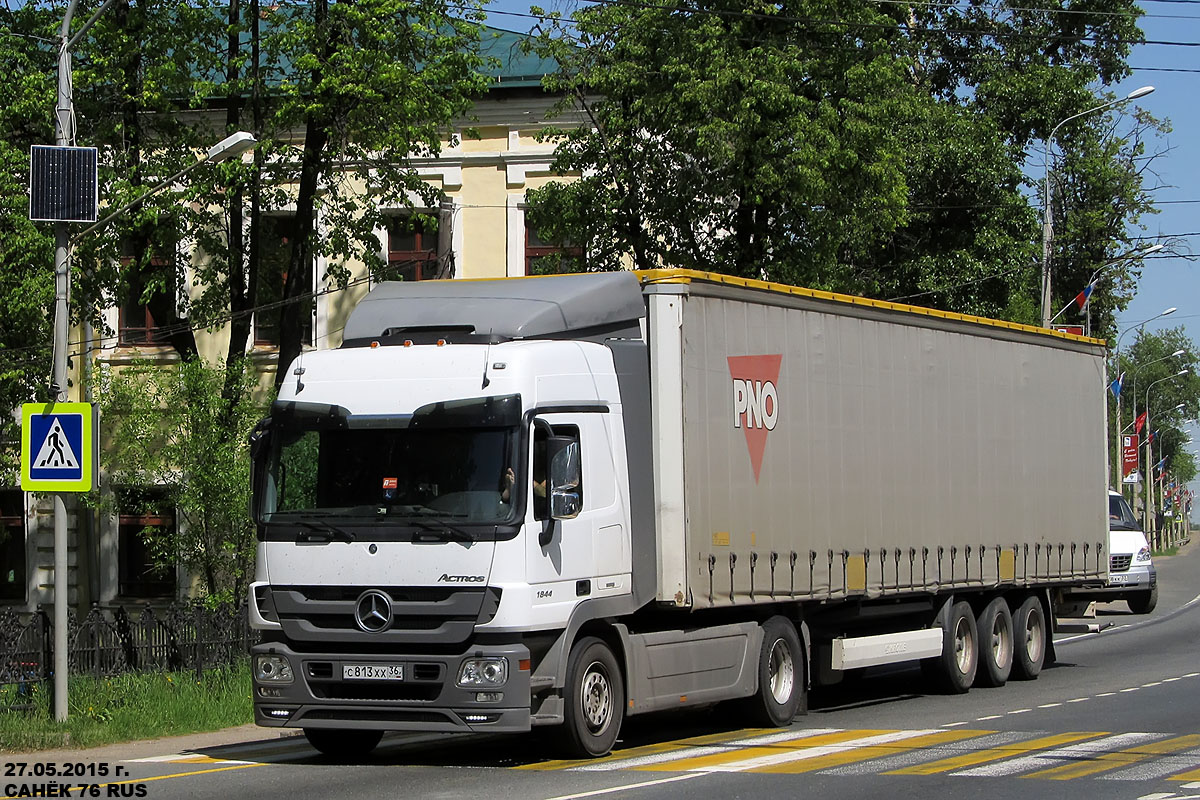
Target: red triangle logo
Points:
(755, 401)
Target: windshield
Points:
(435, 465)
(1120, 515)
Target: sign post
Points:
(59, 453)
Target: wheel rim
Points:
(781, 672)
(964, 646)
(1000, 642)
(596, 698)
(1033, 637)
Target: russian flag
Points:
(1082, 298)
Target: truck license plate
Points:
(373, 672)
(1118, 578)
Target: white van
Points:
(1131, 575)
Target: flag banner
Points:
(1082, 298)
(1141, 420)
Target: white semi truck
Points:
(565, 500)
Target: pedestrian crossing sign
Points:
(58, 447)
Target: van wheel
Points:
(1143, 602)
(995, 626)
(342, 743)
(953, 671)
(1029, 634)
(781, 690)
(595, 699)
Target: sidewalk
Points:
(190, 742)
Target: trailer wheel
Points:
(342, 743)
(595, 701)
(1143, 602)
(781, 689)
(954, 670)
(995, 626)
(1029, 626)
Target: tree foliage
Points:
(171, 428)
(878, 149)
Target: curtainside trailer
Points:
(566, 500)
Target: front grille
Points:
(427, 615)
(1119, 563)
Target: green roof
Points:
(517, 68)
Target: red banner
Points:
(1129, 454)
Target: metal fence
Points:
(108, 642)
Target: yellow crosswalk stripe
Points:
(747, 753)
(994, 754)
(871, 751)
(1106, 761)
(651, 749)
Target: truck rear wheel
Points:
(342, 743)
(954, 670)
(1144, 602)
(995, 626)
(595, 699)
(1029, 626)
(781, 689)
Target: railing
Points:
(108, 642)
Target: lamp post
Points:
(1112, 262)
(1133, 382)
(1149, 456)
(1048, 215)
(1117, 471)
(64, 135)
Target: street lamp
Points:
(1117, 370)
(1048, 215)
(1149, 453)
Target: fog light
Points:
(483, 672)
(278, 712)
(266, 691)
(272, 669)
(488, 697)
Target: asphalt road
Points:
(1117, 717)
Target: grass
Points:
(129, 707)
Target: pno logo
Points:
(755, 401)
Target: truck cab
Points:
(1131, 573)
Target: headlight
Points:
(483, 673)
(1143, 556)
(272, 669)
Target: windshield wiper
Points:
(322, 532)
(445, 531)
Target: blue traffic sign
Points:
(58, 447)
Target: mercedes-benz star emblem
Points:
(373, 611)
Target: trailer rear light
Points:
(441, 342)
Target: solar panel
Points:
(62, 184)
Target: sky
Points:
(1170, 62)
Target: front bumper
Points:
(1120, 585)
(428, 698)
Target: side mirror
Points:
(565, 477)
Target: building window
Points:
(137, 324)
(413, 248)
(145, 517)
(547, 258)
(12, 545)
(276, 235)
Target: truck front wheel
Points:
(781, 688)
(595, 701)
(342, 743)
(1144, 602)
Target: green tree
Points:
(170, 428)
(26, 248)
(880, 149)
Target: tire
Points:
(595, 699)
(343, 743)
(1029, 639)
(1144, 602)
(995, 626)
(781, 691)
(953, 671)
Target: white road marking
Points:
(628, 786)
(775, 759)
(1158, 768)
(1062, 755)
(697, 752)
